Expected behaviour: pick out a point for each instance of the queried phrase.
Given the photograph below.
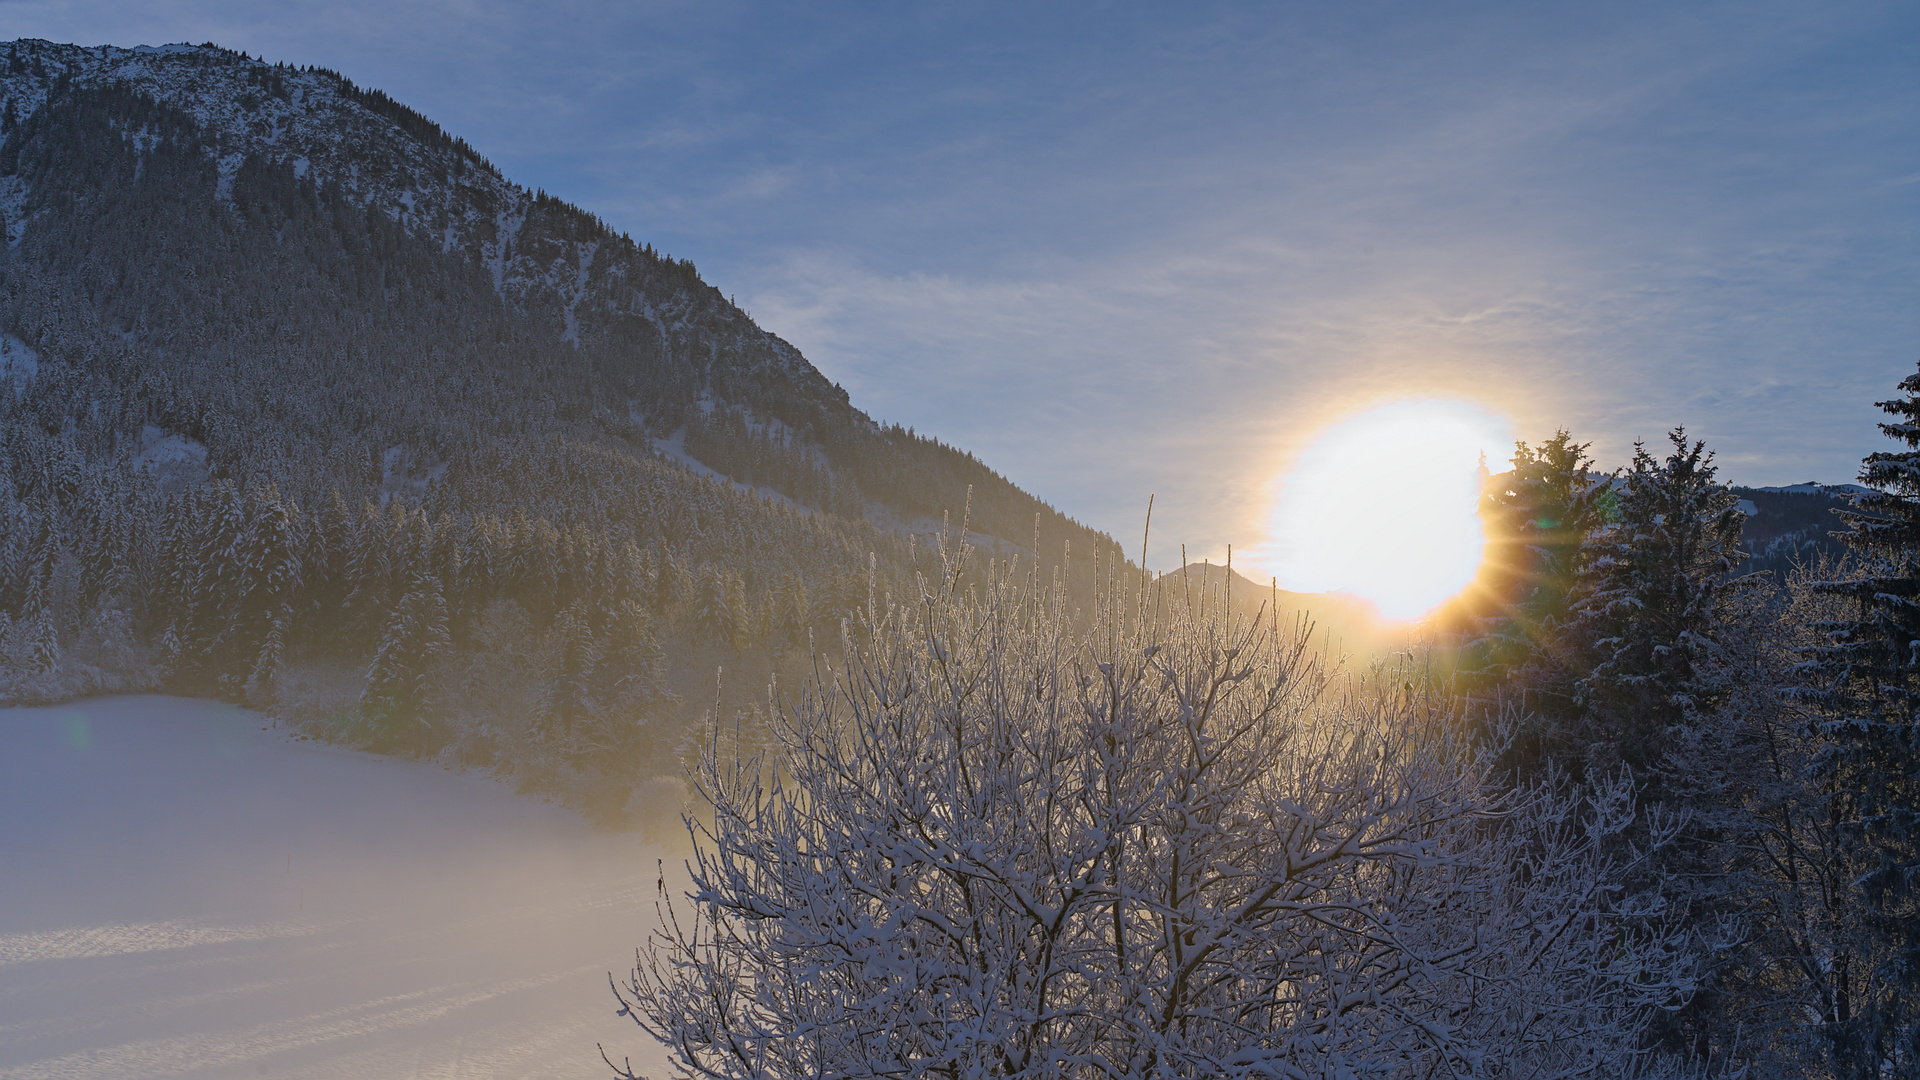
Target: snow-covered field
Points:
(185, 893)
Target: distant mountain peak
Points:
(321, 128)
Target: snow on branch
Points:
(1013, 839)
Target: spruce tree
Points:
(1665, 648)
(568, 711)
(1648, 618)
(634, 663)
(264, 565)
(1539, 516)
(399, 691)
(1864, 685)
(43, 638)
(717, 606)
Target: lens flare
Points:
(1383, 505)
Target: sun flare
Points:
(1383, 505)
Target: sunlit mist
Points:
(1383, 505)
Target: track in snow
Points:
(185, 894)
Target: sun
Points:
(1383, 505)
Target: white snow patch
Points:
(506, 226)
(190, 894)
(229, 167)
(674, 449)
(300, 167)
(18, 362)
(584, 253)
(174, 459)
(929, 530)
(89, 942)
(405, 470)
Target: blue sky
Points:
(1127, 249)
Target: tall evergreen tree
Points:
(1614, 648)
(1539, 516)
(399, 692)
(717, 603)
(568, 708)
(1864, 683)
(1648, 616)
(265, 569)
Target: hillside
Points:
(307, 406)
(1791, 526)
(193, 206)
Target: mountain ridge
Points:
(617, 304)
(306, 406)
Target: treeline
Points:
(1787, 529)
(1769, 720)
(512, 640)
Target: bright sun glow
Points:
(1383, 505)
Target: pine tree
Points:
(635, 663)
(716, 606)
(1648, 618)
(266, 573)
(10, 666)
(399, 692)
(330, 543)
(169, 656)
(793, 613)
(43, 637)
(568, 713)
(1864, 683)
(1539, 517)
(1656, 648)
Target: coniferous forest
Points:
(306, 407)
(344, 425)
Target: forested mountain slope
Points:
(1790, 526)
(307, 405)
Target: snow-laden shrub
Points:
(1008, 841)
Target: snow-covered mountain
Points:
(303, 403)
(660, 349)
(558, 263)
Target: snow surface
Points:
(189, 894)
(18, 362)
(931, 530)
(674, 449)
(403, 469)
(174, 459)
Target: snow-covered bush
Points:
(1008, 840)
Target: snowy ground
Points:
(183, 893)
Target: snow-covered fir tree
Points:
(1648, 611)
(1541, 515)
(399, 694)
(1863, 682)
